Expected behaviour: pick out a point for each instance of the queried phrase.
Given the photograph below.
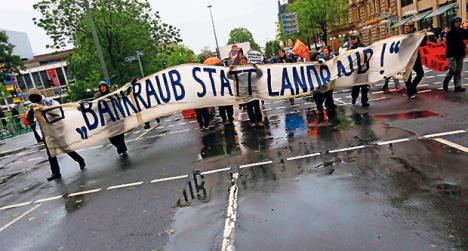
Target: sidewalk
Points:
(18, 143)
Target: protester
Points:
(326, 95)
(412, 84)
(282, 59)
(455, 53)
(253, 106)
(119, 140)
(35, 96)
(355, 42)
(443, 34)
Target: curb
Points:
(13, 151)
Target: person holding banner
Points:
(455, 53)
(36, 98)
(412, 84)
(355, 42)
(327, 95)
(282, 59)
(119, 140)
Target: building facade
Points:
(48, 73)
(376, 19)
(21, 42)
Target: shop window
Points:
(27, 80)
(406, 2)
(37, 79)
(21, 82)
(47, 82)
(60, 76)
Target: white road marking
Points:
(441, 75)
(346, 149)
(381, 143)
(145, 132)
(296, 105)
(278, 101)
(451, 144)
(169, 178)
(339, 101)
(15, 205)
(19, 217)
(231, 216)
(38, 158)
(379, 92)
(280, 107)
(193, 121)
(85, 192)
(423, 91)
(157, 135)
(443, 134)
(308, 103)
(48, 199)
(377, 99)
(423, 85)
(216, 171)
(171, 125)
(430, 77)
(186, 130)
(125, 185)
(268, 109)
(183, 123)
(303, 156)
(256, 164)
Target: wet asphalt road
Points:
(381, 178)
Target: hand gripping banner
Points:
(73, 126)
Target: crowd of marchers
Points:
(455, 53)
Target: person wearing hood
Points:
(412, 84)
(36, 98)
(355, 42)
(119, 140)
(455, 53)
(326, 95)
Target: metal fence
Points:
(11, 127)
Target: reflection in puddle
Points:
(406, 115)
(195, 189)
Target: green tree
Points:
(204, 54)
(179, 54)
(123, 27)
(241, 35)
(9, 63)
(318, 15)
(271, 48)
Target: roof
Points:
(54, 56)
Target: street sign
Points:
(130, 59)
(290, 23)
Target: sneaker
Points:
(353, 101)
(147, 126)
(253, 125)
(83, 166)
(459, 89)
(124, 155)
(445, 87)
(365, 104)
(412, 96)
(54, 177)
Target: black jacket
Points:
(455, 45)
(355, 46)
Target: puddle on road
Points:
(405, 115)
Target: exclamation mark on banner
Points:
(382, 58)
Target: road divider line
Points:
(434, 135)
(16, 205)
(231, 216)
(145, 132)
(304, 156)
(85, 192)
(185, 130)
(377, 99)
(423, 91)
(19, 217)
(280, 107)
(38, 158)
(48, 199)
(451, 144)
(381, 143)
(256, 164)
(169, 178)
(216, 171)
(346, 149)
(125, 185)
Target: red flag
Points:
(301, 50)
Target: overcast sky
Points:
(190, 16)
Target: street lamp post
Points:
(96, 41)
(214, 31)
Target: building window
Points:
(37, 79)
(60, 76)
(406, 2)
(27, 80)
(425, 23)
(45, 79)
(446, 17)
(21, 82)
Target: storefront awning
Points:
(402, 21)
(442, 9)
(421, 15)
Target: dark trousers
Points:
(319, 98)
(411, 83)
(226, 113)
(455, 67)
(54, 165)
(119, 143)
(203, 117)
(364, 90)
(254, 111)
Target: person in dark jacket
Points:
(326, 96)
(35, 96)
(119, 140)
(355, 41)
(411, 83)
(455, 53)
(282, 59)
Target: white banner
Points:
(74, 126)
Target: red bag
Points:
(24, 119)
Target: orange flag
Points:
(301, 50)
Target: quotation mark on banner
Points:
(395, 47)
(83, 132)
